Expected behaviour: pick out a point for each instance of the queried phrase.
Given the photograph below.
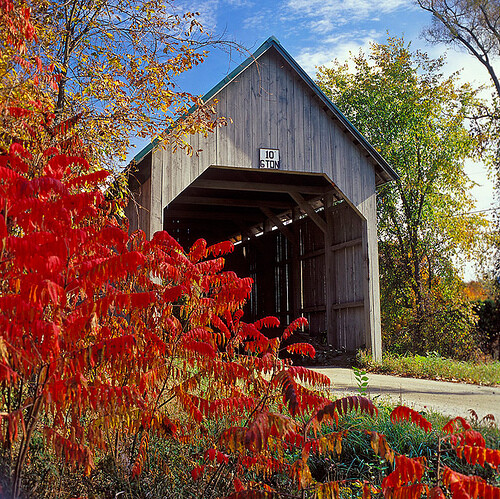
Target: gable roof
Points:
(386, 171)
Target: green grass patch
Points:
(167, 468)
(433, 366)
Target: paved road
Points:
(453, 399)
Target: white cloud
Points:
(322, 26)
(240, 3)
(336, 47)
(340, 12)
(255, 20)
(208, 12)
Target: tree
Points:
(470, 24)
(116, 63)
(417, 120)
(474, 25)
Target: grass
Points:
(433, 366)
(358, 460)
(167, 472)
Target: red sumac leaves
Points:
(403, 413)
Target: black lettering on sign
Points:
(269, 159)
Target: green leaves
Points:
(417, 119)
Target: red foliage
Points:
(406, 414)
(456, 424)
(468, 487)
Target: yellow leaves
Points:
(301, 473)
(329, 490)
(331, 443)
(233, 439)
(3, 350)
(380, 446)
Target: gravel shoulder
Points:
(451, 399)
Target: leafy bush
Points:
(488, 326)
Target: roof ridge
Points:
(272, 41)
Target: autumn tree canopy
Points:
(116, 63)
(417, 120)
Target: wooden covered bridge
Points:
(293, 184)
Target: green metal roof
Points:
(273, 42)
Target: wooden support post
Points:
(297, 291)
(156, 200)
(304, 205)
(331, 329)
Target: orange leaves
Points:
(198, 251)
(479, 455)
(470, 444)
(264, 425)
(9, 426)
(59, 164)
(267, 322)
(189, 405)
(165, 240)
(289, 388)
(328, 490)
(403, 413)
(252, 494)
(301, 473)
(233, 439)
(121, 333)
(302, 349)
(380, 446)
(456, 424)
(89, 179)
(330, 443)
(115, 267)
(345, 405)
(468, 437)
(199, 348)
(48, 292)
(140, 460)
(399, 483)
(73, 453)
(436, 493)
(309, 376)
(293, 326)
(222, 248)
(468, 487)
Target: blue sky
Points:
(315, 32)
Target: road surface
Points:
(451, 399)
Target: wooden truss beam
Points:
(259, 186)
(304, 205)
(207, 215)
(281, 226)
(222, 201)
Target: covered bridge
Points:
(293, 184)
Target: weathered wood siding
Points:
(271, 107)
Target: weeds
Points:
(361, 380)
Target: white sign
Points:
(269, 158)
